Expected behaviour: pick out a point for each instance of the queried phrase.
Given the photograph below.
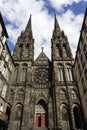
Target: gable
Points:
(42, 59)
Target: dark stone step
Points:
(40, 128)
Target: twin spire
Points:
(56, 25)
(29, 25)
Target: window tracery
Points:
(69, 73)
(23, 73)
(60, 73)
(15, 75)
(20, 51)
(41, 76)
(64, 51)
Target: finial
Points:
(30, 15)
(42, 49)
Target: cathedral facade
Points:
(44, 93)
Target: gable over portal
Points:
(42, 60)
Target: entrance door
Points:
(40, 120)
(40, 115)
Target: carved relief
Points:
(20, 95)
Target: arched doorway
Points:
(77, 117)
(41, 114)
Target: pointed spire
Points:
(56, 25)
(42, 49)
(28, 27)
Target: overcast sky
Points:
(70, 14)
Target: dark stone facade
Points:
(44, 94)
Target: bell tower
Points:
(23, 57)
(63, 78)
(24, 50)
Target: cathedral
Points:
(43, 93)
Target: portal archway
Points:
(41, 114)
(77, 117)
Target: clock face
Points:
(41, 75)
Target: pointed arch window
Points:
(77, 117)
(18, 112)
(57, 51)
(18, 115)
(23, 73)
(64, 51)
(20, 51)
(69, 73)
(27, 51)
(60, 73)
(15, 75)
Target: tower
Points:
(23, 57)
(65, 93)
(24, 50)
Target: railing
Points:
(3, 116)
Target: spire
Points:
(28, 27)
(42, 49)
(56, 25)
